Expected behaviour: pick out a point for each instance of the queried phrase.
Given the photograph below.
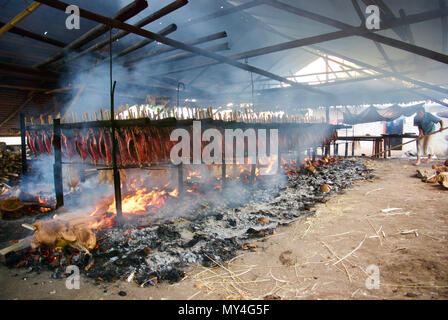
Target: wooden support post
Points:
(346, 149)
(314, 153)
(389, 146)
(23, 141)
(279, 160)
(223, 172)
(180, 179)
(57, 167)
(252, 172)
(82, 173)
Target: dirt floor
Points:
(325, 256)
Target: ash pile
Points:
(215, 231)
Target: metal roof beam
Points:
(35, 36)
(122, 15)
(356, 31)
(174, 43)
(411, 19)
(145, 21)
(380, 70)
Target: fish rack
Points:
(294, 136)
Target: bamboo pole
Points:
(22, 15)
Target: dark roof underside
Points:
(51, 90)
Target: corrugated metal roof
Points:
(257, 27)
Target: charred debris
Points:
(213, 231)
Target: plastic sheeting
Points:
(372, 114)
(443, 114)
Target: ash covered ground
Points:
(217, 230)
(213, 230)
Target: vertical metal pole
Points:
(252, 173)
(279, 161)
(57, 167)
(117, 182)
(82, 173)
(23, 141)
(223, 172)
(180, 179)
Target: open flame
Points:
(140, 201)
(143, 201)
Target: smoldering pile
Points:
(163, 251)
(214, 233)
(10, 167)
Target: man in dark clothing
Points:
(426, 123)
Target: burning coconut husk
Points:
(57, 234)
(15, 207)
(442, 178)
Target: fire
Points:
(140, 202)
(143, 200)
(192, 174)
(43, 201)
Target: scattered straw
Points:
(351, 252)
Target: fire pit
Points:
(150, 219)
(213, 227)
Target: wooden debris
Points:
(263, 220)
(325, 188)
(248, 246)
(10, 164)
(20, 245)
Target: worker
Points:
(426, 123)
